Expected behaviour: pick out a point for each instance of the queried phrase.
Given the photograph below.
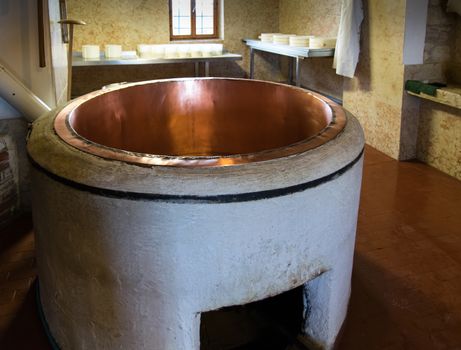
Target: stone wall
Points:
(8, 186)
(14, 167)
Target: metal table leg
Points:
(297, 72)
(207, 68)
(290, 70)
(252, 63)
(197, 69)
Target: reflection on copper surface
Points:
(199, 122)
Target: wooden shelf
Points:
(450, 96)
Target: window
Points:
(193, 19)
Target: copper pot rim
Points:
(65, 131)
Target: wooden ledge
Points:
(450, 96)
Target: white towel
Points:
(348, 43)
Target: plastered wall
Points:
(146, 21)
(455, 64)
(374, 96)
(439, 137)
(400, 125)
(127, 23)
(439, 127)
(313, 17)
(133, 22)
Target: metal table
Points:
(296, 53)
(130, 58)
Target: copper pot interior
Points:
(201, 117)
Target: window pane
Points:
(181, 17)
(204, 12)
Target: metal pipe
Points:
(197, 69)
(20, 96)
(290, 70)
(252, 63)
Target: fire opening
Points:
(270, 324)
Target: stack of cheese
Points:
(145, 51)
(267, 37)
(318, 42)
(90, 51)
(113, 51)
(205, 50)
(179, 50)
(300, 40)
(282, 39)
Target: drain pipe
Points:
(20, 96)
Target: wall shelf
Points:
(450, 96)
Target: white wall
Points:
(415, 31)
(7, 111)
(19, 47)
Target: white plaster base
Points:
(136, 274)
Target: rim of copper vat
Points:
(66, 132)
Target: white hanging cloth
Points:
(348, 41)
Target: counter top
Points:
(130, 58)
(287, 50)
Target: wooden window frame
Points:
(194, 35)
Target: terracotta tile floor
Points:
(406, 286)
